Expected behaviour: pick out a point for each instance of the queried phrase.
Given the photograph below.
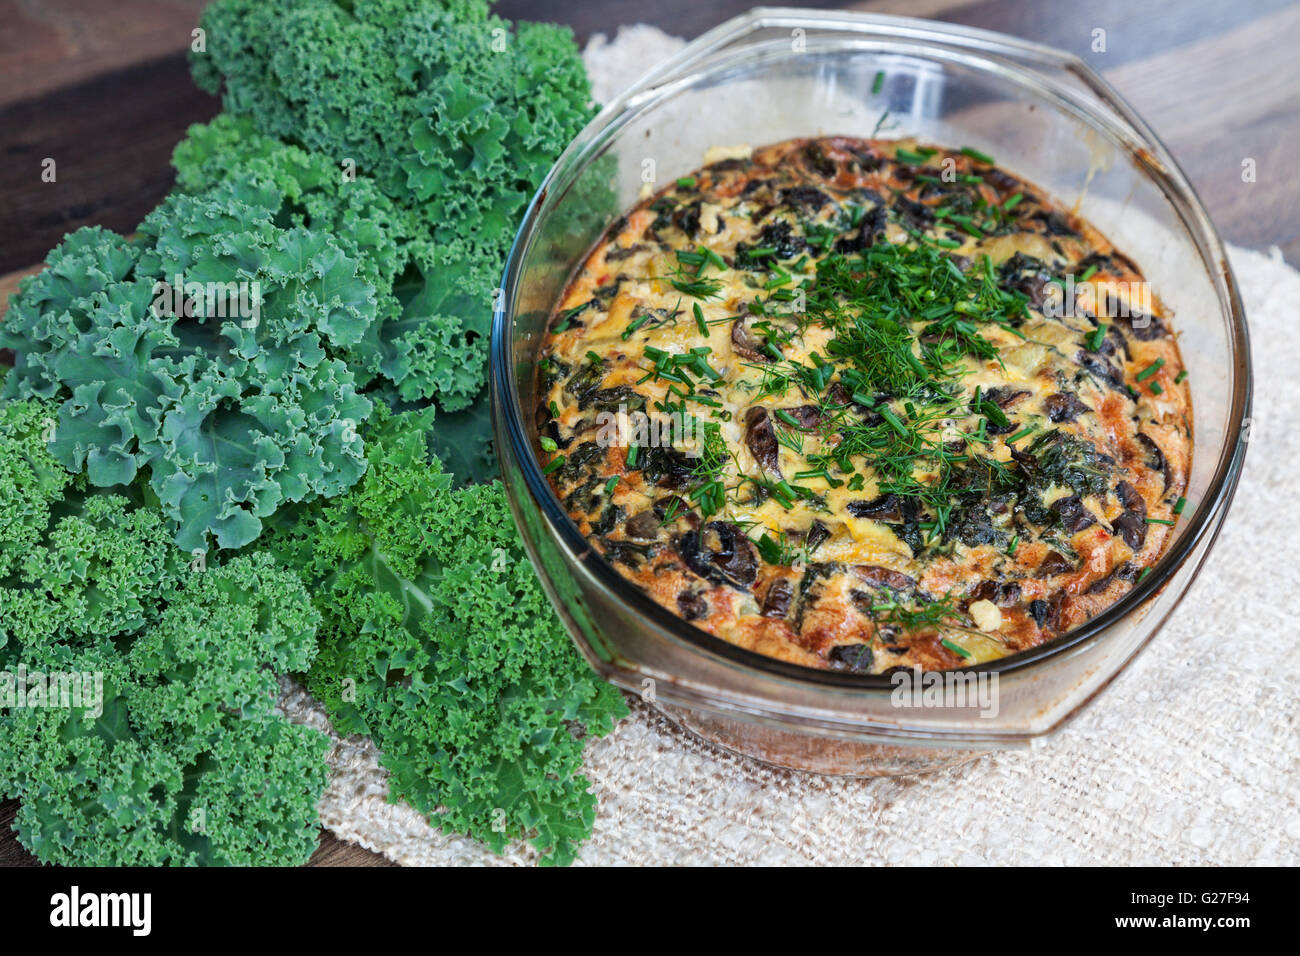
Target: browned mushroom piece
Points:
(1054, 563)
(884, 577)
(776, 602)
(1064, 407)
(745, 342)
(720, 552)
(1132, 524)
(760, 437)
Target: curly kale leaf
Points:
(462, 441)
(230, 411)
(168, 748)
(443, 100)
(432, 300)
(454, 114)
(32, 481)
(438, 641)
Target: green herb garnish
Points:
(1150, 369)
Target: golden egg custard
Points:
(866, 404)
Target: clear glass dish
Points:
(774, 74)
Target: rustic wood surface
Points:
(103, 89)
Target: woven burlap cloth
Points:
(1190, 757)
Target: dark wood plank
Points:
(683, 19)
(1223, 99)
(111, 139)
(12, 853)
(1134, 30)
(54, 44)
(1216, 81)
(335, 852)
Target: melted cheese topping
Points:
(772, 513)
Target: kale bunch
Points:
(437, 640)
(194, 498)
(228, 415)
(453, 113)
(173, 752)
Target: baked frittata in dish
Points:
(866, 404)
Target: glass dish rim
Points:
(1146, 150)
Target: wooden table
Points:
(103, 89)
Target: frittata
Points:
(866, 404)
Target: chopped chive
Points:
(555, 463)
(1027, 430)
(568, 315)
(609, 486)
(554, 409)
(947, 243)
(1011, 548)
(547, 442)
(888, 415)
(787, 418)
(1180, 377)
(699, 319)
(636, 324)
(705, 370)
(1180, 505)
(995, 414)
(1012, 202)
(976, 155)
(1097, 337)
(1156, 389)
(1088, 273)
(956, 648)
(697, 288)
(909, 157)
(1143, 573)
(686, 182)
(878, 83)
(633, 452)
(714, 258)
(1150, 369)
(1160, 521)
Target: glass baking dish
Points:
(774, 74)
